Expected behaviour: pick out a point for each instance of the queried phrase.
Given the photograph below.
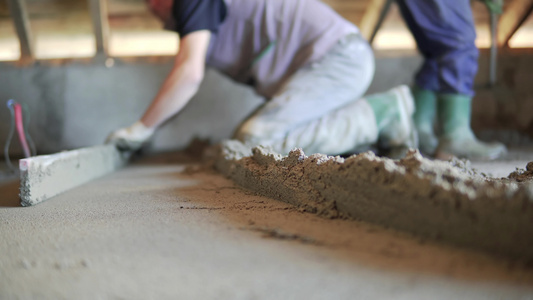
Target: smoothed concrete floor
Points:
(156, 230)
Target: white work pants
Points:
(320, 109)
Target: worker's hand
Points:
(130, 138)
(494, 6)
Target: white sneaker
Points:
(400, 130)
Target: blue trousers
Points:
(445, 35)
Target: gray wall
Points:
(78, 105)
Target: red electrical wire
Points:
(20, 130)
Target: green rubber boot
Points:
(393, 111)
(457, 138)
(424, 118)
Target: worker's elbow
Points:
(197, 76)
(194, 75)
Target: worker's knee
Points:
(254, 132)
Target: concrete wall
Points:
(76, 105)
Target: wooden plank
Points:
(373, 17)
(43, 177)
(100, 22)
(21, 21)
(513, 17)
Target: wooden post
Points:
(493, 48)
(512, 18)
(373, 18)
(21, 21)
(98, 9)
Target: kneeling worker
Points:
(311, 65)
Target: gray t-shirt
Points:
(264, 42)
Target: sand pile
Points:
(435, 199)
(523, 175)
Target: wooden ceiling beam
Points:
(373, 18)
(98, 10)
(19, 14)
(515, 14)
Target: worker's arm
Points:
(178, 88)
(183, 81)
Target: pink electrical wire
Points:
(20, 130)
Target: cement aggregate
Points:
(445, 200)
(169, 228)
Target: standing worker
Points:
(445, 34)
(310, 64)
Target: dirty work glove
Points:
(494, 6)
(130, 138)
